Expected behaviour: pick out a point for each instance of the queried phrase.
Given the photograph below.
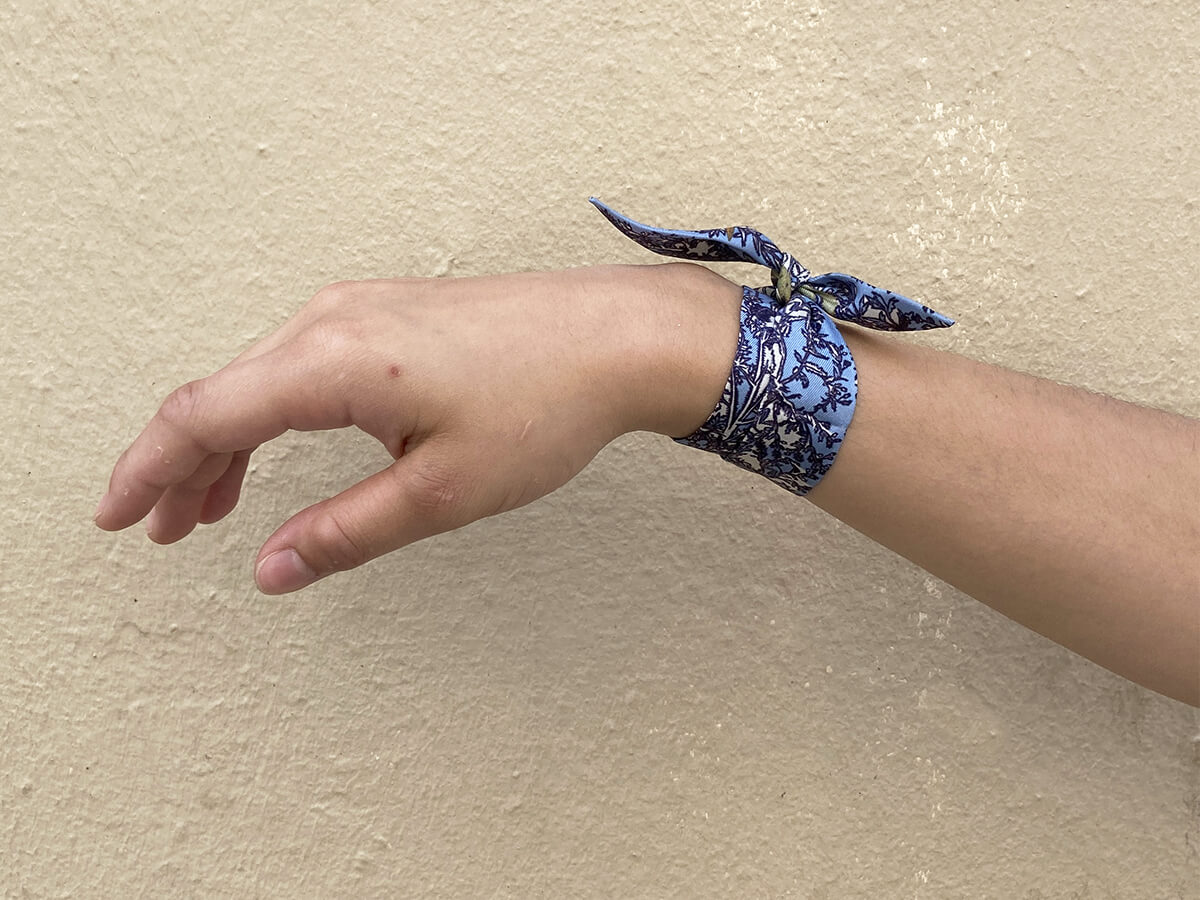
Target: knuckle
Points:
(337, 546)
(337, 335)
(335, 295)
(183, 404)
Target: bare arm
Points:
(1073, 513)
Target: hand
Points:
(487, 392)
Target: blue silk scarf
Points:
(791, 392)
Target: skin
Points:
(1073, 513)
(613, 349)
(1019, 495)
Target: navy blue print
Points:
(790, 395)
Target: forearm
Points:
(1072, 513)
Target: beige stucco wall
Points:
(670, 678)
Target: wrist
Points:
(687, 334)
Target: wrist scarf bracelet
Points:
(791, 392)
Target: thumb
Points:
(411, 499)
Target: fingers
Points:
(413, 498)
(200, 500)
(208, 496)
(223, 495)
(243, 405)
(178, 510)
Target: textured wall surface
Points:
(670, 678)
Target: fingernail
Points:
(151, 521)
(99, 508)
(283, 571)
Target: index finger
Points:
(245, 404)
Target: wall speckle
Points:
(669, 678)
